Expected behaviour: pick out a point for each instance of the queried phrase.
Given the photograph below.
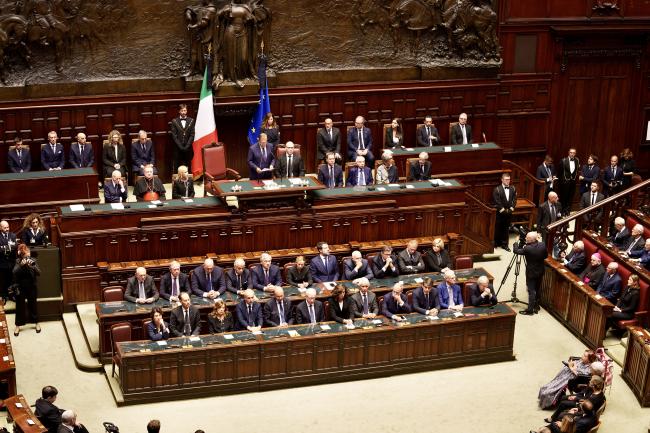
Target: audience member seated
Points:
(153, 426)
(427, 135)
(266, 276)
(636, 244)
(356, 267)
(395, 303)
(220, 319)
(621, 236)
(174, 282)
(449, 293)
(81, 153)
(33, 231)
(437, 258)
(550, 393)
(593, 392)
(69, 423)
(115, 190)
(261, 159)
(278, 311)
(324, 266)
(425, 298)
(52, 154)
(359, 175)
(384, 264)
(627, 303)
(394, 137)
(141, 288)
(364, 302)
(575, 260)
(157, 329)
(185, 319)
(289, 164)
(410, 261)
(341, 306)
(183, 186)
(249, 313)
(482, 293)
(461, 133)
(114, 154)
(149, 188)
(387, 170)
(565, 425)
(47, 413)
(142, 154)
(610, 286)
(310, 310)
(19, 160)
(644, 255)
(238, 278)
(578, 382)
(360, 142)
(299, 274)
(593, 274)
(420, 170)
(330, 174)
(207, 280)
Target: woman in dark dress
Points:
(220, 320)
(25, 272)
(628, 167)
(394, 136)
(437, 258)
(183, 186)
(299, 275)
(271, 129)
(33, 232)
(627, 303)
(341, 308)
(157, 329)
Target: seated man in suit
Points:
(425, 298)
(174, 282)
(207, 280)
(185, 319)
(47, 413)
(328, 140)
(360, 142)
(356, 267)
(364, 302)
(420, 170)
(410, 261)
(621, 236)
(449, 293)
(261, 159)
(359, 175)
(644, 255)
(142, 154)
(278, 311)
(19, 160)
(81, 153)
(290, 165)
(266, 276)
(593, 274)
(575, 261)
(482, 293)
(299, 275)
(149, 187)
(52, 154)
(115, 191)
(590, 198)
(612, 177)
(248, 313)
(330, 174)
(461, 133)
(310, 310)
(238, 278)
(610, 286)
(548, 212)
(636, 243)
(141, 288)
(427, 134)
(396, 303)
(384, 264)
(183, 186)
(324, 267)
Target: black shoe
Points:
(536, 310)
(526, 312)
(548, 420)
(505, 247)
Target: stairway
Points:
(83, 336)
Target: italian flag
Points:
(205, 131)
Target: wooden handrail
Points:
(533, 183)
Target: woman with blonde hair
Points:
(114, 154)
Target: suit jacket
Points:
(457, 134)
(544, 216)
(565, 170)
(297, 169)
(258, 277)
(434, 264)
(326, 144)
(48, 414)
(590, 173)
(585, 202)
(109, 160)
(422, 137)
(354, 175)
(635, 246)
(610, 287)
(78, 159)
(354, 145)
(244, 319)
(610, 177)
(51, 160)
(377, 264)
(233, 283)
(349, 272)
(543, 173)
(153, 333)
(420, 304)
(183, 137)
(112, 193)
(8, 251)
(620, 239)
(295, 276)
(477, 300)
(31, 239)
(166, 285)
(535, 255)
(390, 307)
(302, 312)
(272, 312)
(142, 187)
(389, 143)
(643, 256)
(499, 198)
(22, 164)
(272, 135)
(339, 314)
(576, 262)
(177, 321)
(200, 283)
(132, 289)
(324, 176)
(416, 173)
(357, 303)
(140, 156)
(320, 273)
(443, 294)
(593, 275)
(408, 265)
(257, 160)
(182, 189)
(629, 301)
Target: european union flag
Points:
(263, 105)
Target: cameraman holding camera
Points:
(25, 272)
(535, 253)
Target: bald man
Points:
(207, 280)
(548, 212)
(535, 253)
(81, 153)
(360, 142)
(278, 311)
(141, 288)
(482, 293)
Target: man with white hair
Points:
(248, 313)
(141, 288)
(238, 278)
(534, 251)
(290, 165)
(142, 154)
(548, 212)
(115, 190)
(149, 186)
(449, 292)
(461, 132)
(420, 169)
(359, 175)
(621, 235)
(69, 423)
(266, 276)
(207, 280)
(356, 267)
(310, 310)
(575, 260)
(396, 303)
(364, 302)
(482, 293)
(174, 282)
(360, 142)
(636, 243)
(644, 255)
(610, 285)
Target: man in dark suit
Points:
(610, 285)
(330, 174)
(174, 282)
(427, 134)
(261, 159)
(420, 170)
(207, 280)
(81, 153)
(594, 272)
(636, 243)
(278, 311)
(546, 173)
(290, 165)
(266, 276)
(182, 130)
(328, 140)
(142, 154)
(324, 267)
(425, 298)
(621, 236)
(185, 319)
(114, 155)
(504, 197)
(8, 247)
(384, 264)
(590, 172)
(643, 256)
(449, 292)
(612, 177)
(310, 310)
(359, 175)
(396, 303)
(590, 198)
(115, 191)
(360, 142)
(461, 133)
(52, 154)
(47, 413)
(356, 267)
(547, 213)
(482, 293)
(535, 253)
(575, 261)
(141, 288)
(364, 302)
(410, 261)
(569, 170)
(149, 184)
(238, 278)
(19, 160)
(299, 275)
(248, 313)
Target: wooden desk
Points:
(576, 305)
(636, 369)
(7, 361)
(216, 365)
(22, 416)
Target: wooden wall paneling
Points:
(511, 9)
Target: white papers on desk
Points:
(325, 327)
(418, 280)
(474, 145)
(394, 185)
(329, 284)
(410, 149)
(195, 338)
(76, 207)
(19, 405)
(598, 297)
(155, 202)
(30, 422)
(433, 317)
(162, 343)
(293, 333)
(228, 336)
(380, 188)
(257, 332)
(117, 206)
(439, 182)
(5, 358)
(458, 314)
(188, 200)
(447, 148)
(350, 325)
(2, 341)
(580, 283)
(377, 321)
(409, 187)
(295, 181)
(152, 206)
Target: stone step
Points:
(89, 326)
(114, 385)
(82, 357)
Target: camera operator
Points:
(535, 252)
(25, 272)
(7, 259)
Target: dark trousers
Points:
(532, 284)
(29, 315)
(501, 228)
(6, 278)
(615, 317)
(564, 405)
(566, 193)
(183, 157)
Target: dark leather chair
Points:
(119, 332)
(463, 262)
(641, 314)
(326, 310)
(285, 270)
(214, 166)
(113, 294)
(280, 150)
(409, 297)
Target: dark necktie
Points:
(187, 329)
(593, 198)
(552, 213)
(250, 315)
(312, 315)
(429, 136)
(361, 146)
(81, 154)
(54, 148)
(209, 277)
(331, 177)
(174, 287)
(426, 298)
(290, 166)
(239, 281)
(266, 277)
(329, 131)
(263, 154)
(365, 304)
(19, 154)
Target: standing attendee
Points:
(278, 311)
(270, 127)
(387, 170)
(569, 170)
(290, 165)
(482, 293)
(394, 136)
(157, 329)
(266, 276)
(427, 134)
(299, 275)
(149, 187)
(359, 175)
(420, 169)
(19, 159)
(25, 272)
(324, 267)
(81, 153)
(360, 142)
(409, 261)
(330, 174)
(174, 282)
(627, 167)
(384, 264)
(535, 253)
(504, 197)
(142, 154)
(590, 172)
(141, 288)
(364, 302)
(47, 413)
(238, 278)
(183, 186)
(249, 313)
(547, 213)
(220, 319)
(115, 190)
(185, 320)
(182, 130)
(114, 154)
(33, 231)
(613, 177)
(590, 198)
(8, 246)
(426, 299)
(52, 154)
(461, 133)
(261, 159)
(546, 173)
(449, 293)
(328, 140)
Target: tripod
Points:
(516, 260)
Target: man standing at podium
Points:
(261, 159)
